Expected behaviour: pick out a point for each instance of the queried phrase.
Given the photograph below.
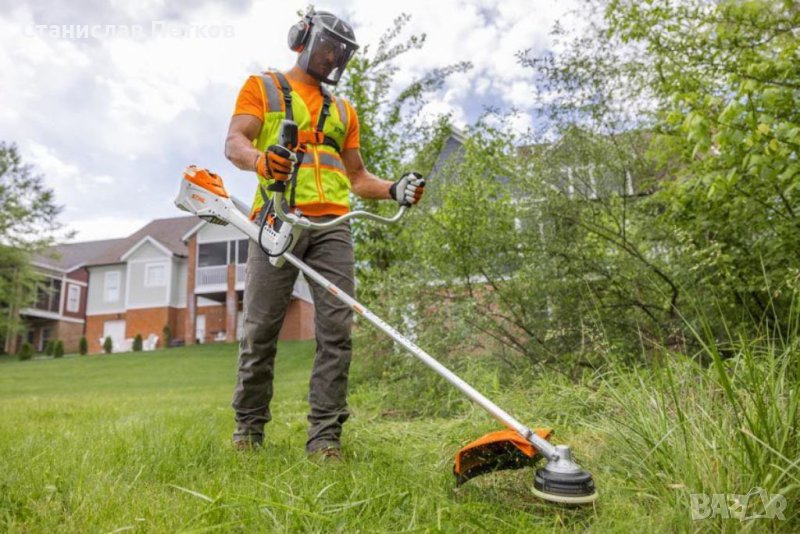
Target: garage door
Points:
(116, 331)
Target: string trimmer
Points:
(560, 480)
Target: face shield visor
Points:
(326, 55)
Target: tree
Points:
(727, 77)
(711, 88)
(58, 349)
(108, 345)
(392, 134)
(83, 346)
(28, 223)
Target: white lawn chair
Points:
(150, 343)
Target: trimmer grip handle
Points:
(282, 151)
(288, 135)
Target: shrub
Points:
(137, 343)
(49, 346)
(83, 346)
(108, 345)
(166, 335)
(58, 349)
(25, 351)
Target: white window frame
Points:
(148, 278)
(73, 298)
(107, 286)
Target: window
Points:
(242, 244)
(73, 298)
(48, 295)
(111, 286)
(210, 254)
(155, 275)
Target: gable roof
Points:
(69, 256)
(166, 232)
(453, 149)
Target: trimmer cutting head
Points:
(563, 481)
(560, 481)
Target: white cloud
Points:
(108, 227)
(112, 122)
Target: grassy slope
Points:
(141, 442)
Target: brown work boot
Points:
(246, 445)
(327, 455)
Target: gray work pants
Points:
(266, 297)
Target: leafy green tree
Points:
(108, 345)
(390, 130)
(28, 223)
(712, 89)
(83, 346)
(729, 133)
(58, 349)
(49, 347)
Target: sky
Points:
(111, 119)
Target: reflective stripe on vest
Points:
(273, 100)
(323, 187)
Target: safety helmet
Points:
(325, 44)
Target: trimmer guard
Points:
(503, 449)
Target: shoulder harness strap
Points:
(286, 89)
(323, 116)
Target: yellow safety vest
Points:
(322, 186)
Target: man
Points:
(329, 166)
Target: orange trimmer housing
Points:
(205, 179)
(503, 449)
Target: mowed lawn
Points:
(141, 443)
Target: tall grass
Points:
(722, 421)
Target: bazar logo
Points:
(755, 504)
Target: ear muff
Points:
(298, 35)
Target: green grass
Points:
(141, 443)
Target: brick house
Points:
(60, 308)
(216, 273)
(179, 272)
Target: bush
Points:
(83, 346)
(25, 351)
(137, 343)
(108, 345)
(58, 349)
(49, 346)
(166, 335)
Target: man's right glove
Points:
(408, 189)
(275, 163)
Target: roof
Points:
(69, 256)
(453, 148)
(166, 232)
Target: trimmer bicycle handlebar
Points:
(298, 220)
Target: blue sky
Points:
(111, 121)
